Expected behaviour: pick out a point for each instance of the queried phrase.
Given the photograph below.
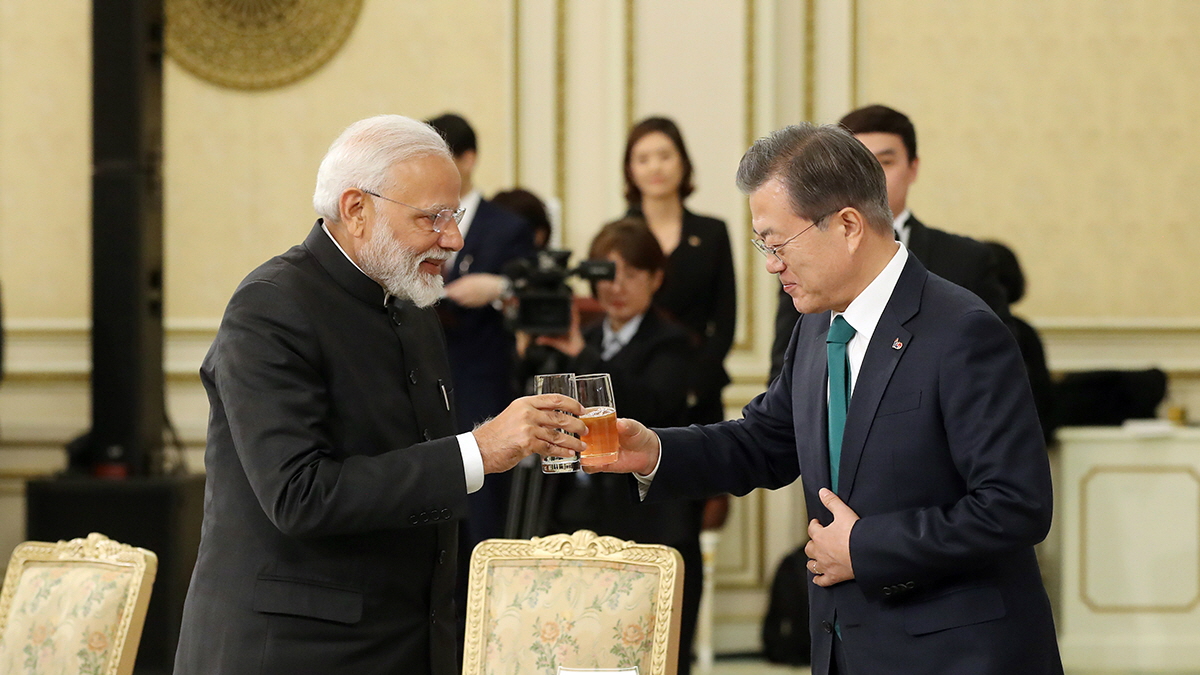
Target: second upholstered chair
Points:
(572, 601)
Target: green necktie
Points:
(839, 391)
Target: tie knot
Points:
(841, 331)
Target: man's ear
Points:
(854, 226)
(913, 166)
(352, 207)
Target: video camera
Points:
(543, 297)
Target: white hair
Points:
(365, 152)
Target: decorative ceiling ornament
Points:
(257, 44)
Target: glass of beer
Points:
(557, 383)
(595, 393)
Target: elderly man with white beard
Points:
(334, 479)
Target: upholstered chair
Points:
(572, 601)
(74, 607)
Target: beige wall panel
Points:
(1064, 127)
(699, 80)
(45, 158)
(536, 38)
(593, 121)
(240, 166)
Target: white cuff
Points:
(644, 481)
(472, 461)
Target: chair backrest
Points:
(573, 601)
(75, 606)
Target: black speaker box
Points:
(162, 514)
(127, 303)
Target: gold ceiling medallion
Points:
(257, 44)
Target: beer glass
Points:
(558, 383)
(595, 393)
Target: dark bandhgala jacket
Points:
(943, 461)
(333, 484)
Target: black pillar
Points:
(127, 296)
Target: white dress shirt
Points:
(900, 225)
(468, 447)
(613, 341)
(864, 311)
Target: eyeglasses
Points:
(774, 250)
(439, 218)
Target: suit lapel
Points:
(888, 345)
(809, 400)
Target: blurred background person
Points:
(1008, 269)
(479, 344)
(528, 206)
(648, 356)
(698, 288)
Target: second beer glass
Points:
(558, 383)
(595, 393)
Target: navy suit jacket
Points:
(481, 347)
(943, 461)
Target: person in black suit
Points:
(334, 476)
(905, 411)
(480, 346)
(698, 289)
(891, 137)
(1028, 340)
(648, 357)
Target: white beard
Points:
(397, 268)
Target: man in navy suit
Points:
(919, 447)
(480, 346)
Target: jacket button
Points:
(441, 556)
(446, 514)
(910, 585)
(426, 435)
(887, 591)
(414, 520)
(396, 317)
(432, 615)
(412, 376)
(826, 626)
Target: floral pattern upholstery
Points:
(63, 619)
(576, 614)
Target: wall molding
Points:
(50, 349)
(1121, 343)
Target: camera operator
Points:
(648, 358)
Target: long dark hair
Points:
(648, 126)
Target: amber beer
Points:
(602, 444)
(595, 393)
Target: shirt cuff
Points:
(644, 481)
(472, 461)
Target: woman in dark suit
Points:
(698, 287)
(648, 357)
